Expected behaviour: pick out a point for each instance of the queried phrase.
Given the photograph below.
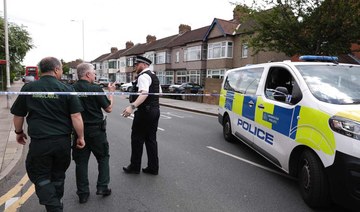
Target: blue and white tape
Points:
(101, 93)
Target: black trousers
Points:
(96, 143)
(46, 163)
(144, 130)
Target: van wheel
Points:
(227, 130)
(312, 181)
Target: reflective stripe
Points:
(260, 113)
(44, 182)
(238, 104)
(312, 131)
(351, 114)
(309, 130)
(222, 98)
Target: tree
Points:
(65, 67)
(20, 43)
(321, 27)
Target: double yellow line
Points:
(15, 190)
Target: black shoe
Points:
(147, 170)
(104, 192)
(83, 198)
(129, 170)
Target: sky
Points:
(56, 25)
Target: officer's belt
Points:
(148, 107)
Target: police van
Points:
(304, 117)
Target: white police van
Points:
(305, 118)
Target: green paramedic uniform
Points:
(49, 123)
(95, 138)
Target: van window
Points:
(245, 81)
(281, 86)
(336, 84)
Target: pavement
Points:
(11, 152)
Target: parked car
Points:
(187, 87)
(28, 79)
(126, 86)
(192, 87)
(104, 82)
(68, 81)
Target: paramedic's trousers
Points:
(95, 142)
(46, 164)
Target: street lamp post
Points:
(7, 58)
(82, 37)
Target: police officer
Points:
(50, 119)
(95, 133)
(146, 119)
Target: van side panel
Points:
(222, 98)
(249, 107)
(238, 103)
(268, 109)
(313, 130)
(280, 119)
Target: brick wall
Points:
(212, 86)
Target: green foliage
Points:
(65, 67)
(20, 43)
(321, 27)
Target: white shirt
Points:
(144, 81)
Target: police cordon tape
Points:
(102, 93)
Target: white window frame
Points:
(177, 57)
(169, 77)
(193, 53)
(215, 73)
(122, 62)
(219, 50)
(160, 57)
(150, 56)
(161, 76)
(130, 61)
(244, 50)
(112, 63)
(194, 76)
(181, 76)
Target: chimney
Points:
(113, 50)
(150, 39)
(240, 13)
(184, 28)
(129, 44)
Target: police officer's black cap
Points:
(141, 59)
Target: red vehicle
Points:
(32, 71)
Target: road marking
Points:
(14, 190)
(22, 200)
(11, 201)
(132, 118)
(250, 162)
(193, 112)
(172, 114)
(162, 116)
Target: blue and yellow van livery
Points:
(304, 117)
